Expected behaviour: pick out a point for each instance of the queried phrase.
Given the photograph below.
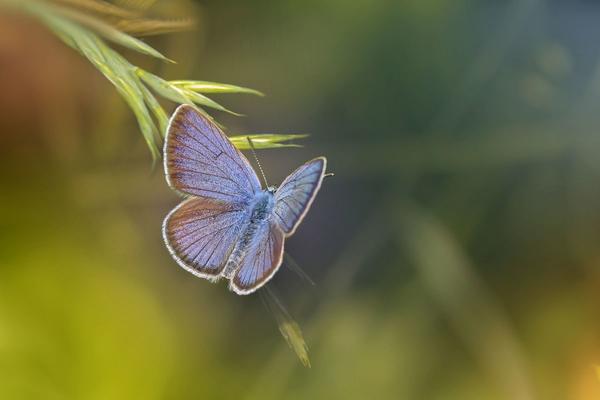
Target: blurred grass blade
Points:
(141, 5)
(214, 87)
(147, 27)
(111, 33)
(100, 7)
(129, 20)
(288, 327)
(265, 140)
(447, 273)
(293, 265)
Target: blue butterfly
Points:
(229, 227)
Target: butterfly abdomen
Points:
(261, 209)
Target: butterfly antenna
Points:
(257, 162)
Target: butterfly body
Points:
(228, 226)
(261, 209)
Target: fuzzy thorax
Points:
(261, 208)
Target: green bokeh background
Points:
(456, 253)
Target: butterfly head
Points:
(272, 189)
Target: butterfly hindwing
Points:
(296, 193)
(200, 234)
(200, 160)
(261, 260)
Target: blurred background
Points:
(455, 253)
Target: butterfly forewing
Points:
(201, 234)
(261, 261)
(294, 197)
(201, 161)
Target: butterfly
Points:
(229, 226)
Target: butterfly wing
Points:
(261, 261)
(200, 234)
(200, 160)
(296, 194)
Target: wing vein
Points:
(213, 154)
(220, 135)
(197, 229)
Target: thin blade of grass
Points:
(118, 71)
(133, 92)
(213, 87)
(205, 101)
(293, 265)
(288, 327)
(163, 87)
(178, 94)
(159, 113)
(266, 140)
